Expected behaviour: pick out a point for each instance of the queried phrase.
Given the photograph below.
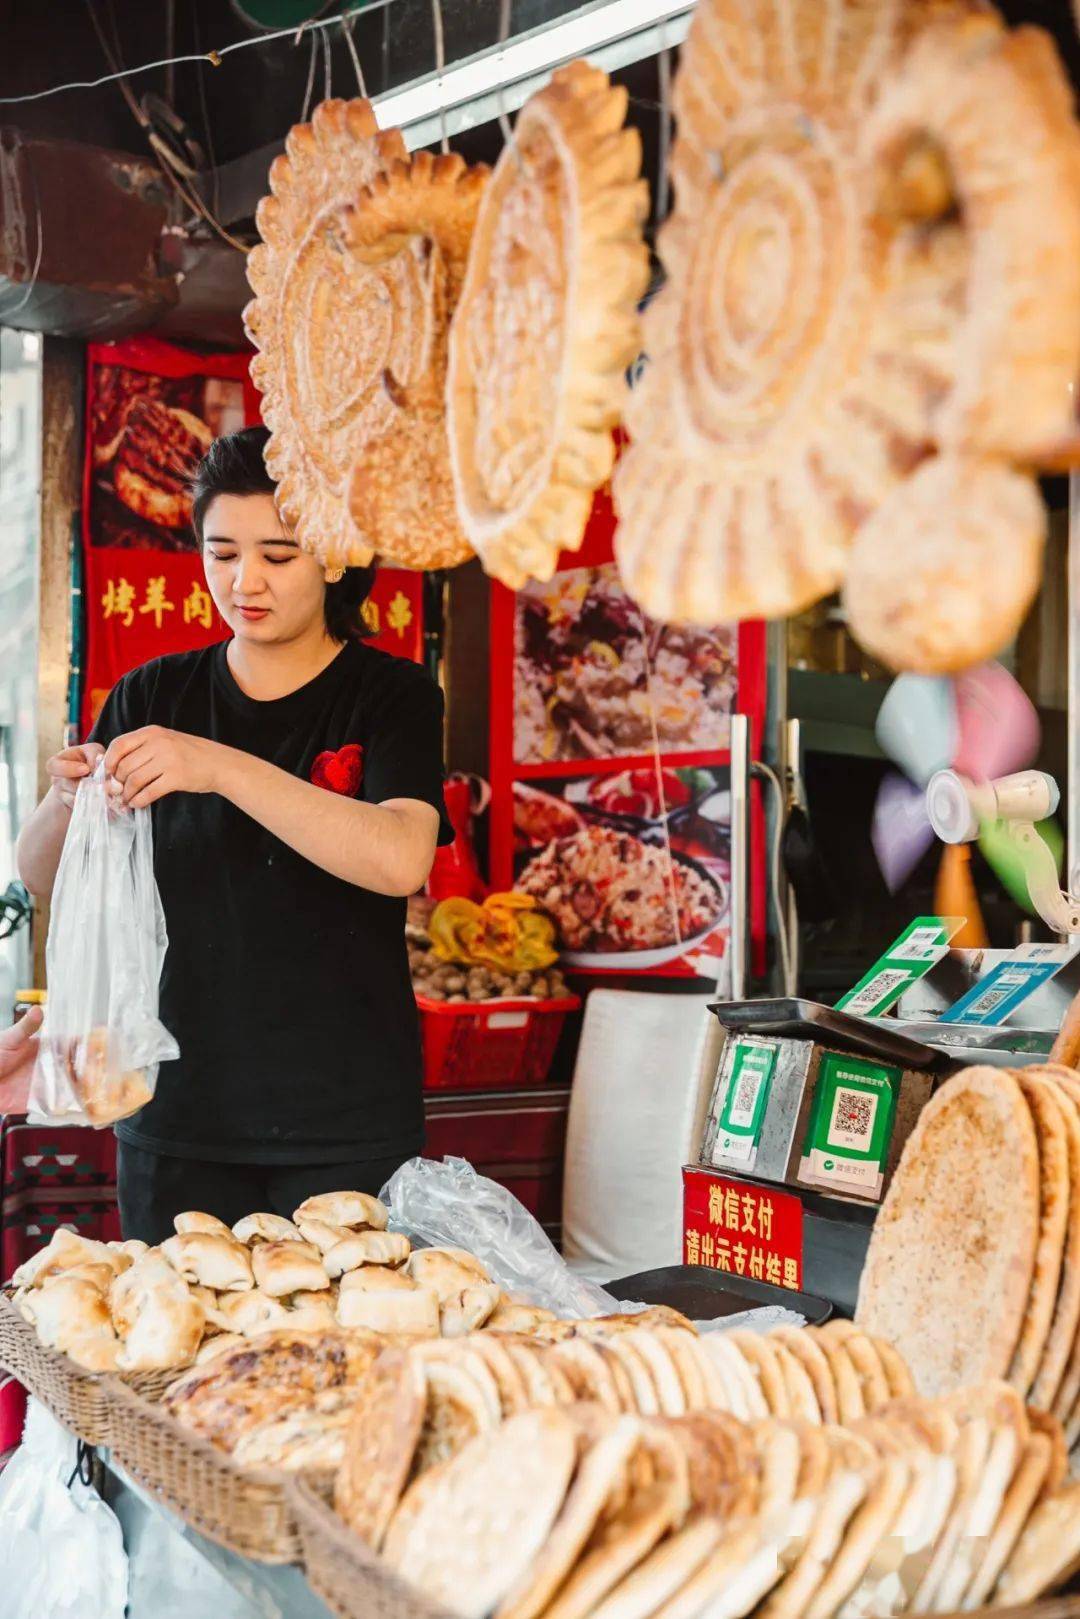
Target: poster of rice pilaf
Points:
(593, 674)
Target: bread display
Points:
(546, 325)
(869, 330)
(321, 364)
(972, 1266)
(593, 1508)
(409, 232)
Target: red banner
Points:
(742, 1228)
(151, 412)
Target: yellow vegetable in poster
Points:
(507, 932)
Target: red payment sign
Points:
(747, 1230)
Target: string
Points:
(504, 34)
(346, 29)
(440, 68)
(214, 57)
(328, 69)
(654, 737)
(311, 73)
(663, 67)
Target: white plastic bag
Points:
(101, 1041)
(448, 1204)
(61, 1548)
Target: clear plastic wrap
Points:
(101, 1042)
(448, 1204)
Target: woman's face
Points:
(265, 588)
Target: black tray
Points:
(792, 1019)
(704, 1294)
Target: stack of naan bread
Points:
(480, 1483)
(974, 1264)
(268, 1402)
(121, 1306)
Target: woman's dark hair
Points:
(234, 465)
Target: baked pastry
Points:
(321, 1234)
(943, 574)
(249, 1313)
(311, 1312)
(469, 1310)
(407, 237)
(446, 1271)
(353, 1210)
(392, 1309)
(280, 1375)
(288, 1267)
(265, 1228)
(319, 368)
(546, 325)
(157, 1316)
(64, 1250)
(196, 1220)
(375, 1279)
(213, 1261)
(874, 256)
(366, 1248)
(70, 1314)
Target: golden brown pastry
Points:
(213, 1261)
(874, 256)
(288, 1267)
(546, 326)
(320, 366)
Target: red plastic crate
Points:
(490, 1045)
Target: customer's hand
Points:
(152, 762)
(18, 1050)
(68, 767)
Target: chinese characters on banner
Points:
(747, 1230)
(152, 410)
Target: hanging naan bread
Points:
(874, 257)
(322, 358)
(410, 233)
(547, 325)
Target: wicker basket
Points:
(341, 1569)
(81, 1400)
(356, 1584)
(243, 1508)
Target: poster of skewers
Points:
(609, 761)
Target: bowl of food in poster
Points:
(621, 904)
(640, 796)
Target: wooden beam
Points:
(62, 393)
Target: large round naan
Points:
(952, 1254)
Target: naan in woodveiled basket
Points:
(546, 326)
(874, 272)
(322, 359)
(410, 231)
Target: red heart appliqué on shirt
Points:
(340, 772)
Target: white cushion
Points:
(642, 1082)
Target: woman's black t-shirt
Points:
(287, 989)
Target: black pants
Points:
(153, 1187)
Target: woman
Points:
(295, 776)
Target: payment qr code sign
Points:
(922, 943)
(851, 1123)
(745, 1087)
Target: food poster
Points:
(152, 410)
(609, 762)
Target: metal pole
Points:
(794, 794)
(738, 912)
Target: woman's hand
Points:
(18, 1049)
(67, 768)
(150, 763)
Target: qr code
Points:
(882, 984)
(747, 1084)
(852, 1123)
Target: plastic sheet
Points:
(447, 1204)
(61, 1548)
(101, 1041)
